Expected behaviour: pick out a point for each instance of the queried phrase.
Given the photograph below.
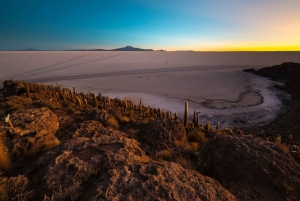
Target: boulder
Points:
(108, 166)
(34, 131)
(251, 168)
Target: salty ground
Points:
(212, 82)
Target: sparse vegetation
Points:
(14, 188)
(165, 155)
(64, 193)
(184, 162)
(112, 122)
(196, 136)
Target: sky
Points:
(199, 25)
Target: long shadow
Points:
(131, 72)
(71, 66)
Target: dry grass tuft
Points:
(112, 122)
(124, 119)
(184, 162)
(164, 154)
(196, 136)
(66, 193)
(42, 146)
(14, 188)
(176, 143)
(132, 133)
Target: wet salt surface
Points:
(213, 83)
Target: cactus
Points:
(95, 101)
(27, 90)
(78, 101)
(175, 116)
(207, 126)
(278, 140)
(198, 119)
(289, 140)
(186, 121)
(85, 102)
(194, 118)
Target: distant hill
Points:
(130, 48)
(29, 49)
(127, 48)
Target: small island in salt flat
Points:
(59, 143)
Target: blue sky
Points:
(172, 25)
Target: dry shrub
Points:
(239, 132)
(196, 136)
(132, 133)
(164, 154)
(124, 119)
(184, 162)
(66, 193)
(176, 143)
(14, 188)
(112, 122)
(4, 157)
(284, 148)
(195, 146)
(33, 146)
(43, 145)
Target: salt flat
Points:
(212, 82)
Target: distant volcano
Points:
(130, 48)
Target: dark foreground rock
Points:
(251, 168)
(107, 166)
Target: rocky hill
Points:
(60, 144)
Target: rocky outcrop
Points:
(113, 167)
(251, 168)
(11, 88)
(161, 134)
(33, 131)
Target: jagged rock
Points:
(34, 131)
(251, 168)
(113, 167)
(160, 135)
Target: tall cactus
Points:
(95, 101)
(186, 120)
(27, 90)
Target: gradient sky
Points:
(201, 25)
